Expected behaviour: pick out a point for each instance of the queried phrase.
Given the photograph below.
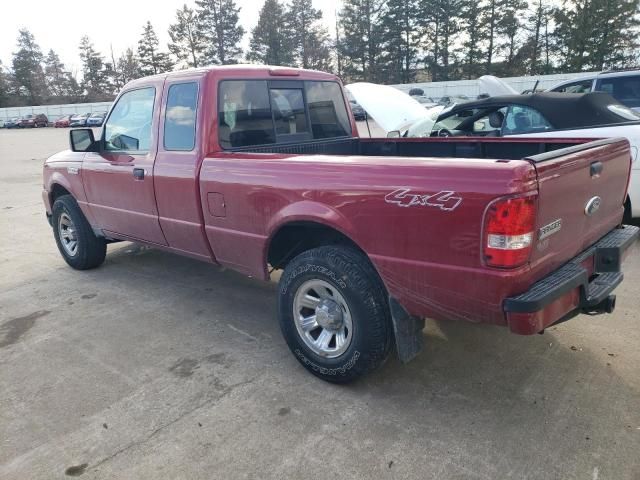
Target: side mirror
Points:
(82, 140)
(394, 134)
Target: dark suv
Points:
(33, 121)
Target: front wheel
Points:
(334, 313)
(77, 243)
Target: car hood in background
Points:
(389, 107)
(494, 87)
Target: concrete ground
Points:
(155, 366)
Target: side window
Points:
(244, 114)
(462, 120)
(522, 119)
(625, 89)
(491, 122)
(583, 86)
(129, 125)
(180, 117)
(289, 114)
(327, 110)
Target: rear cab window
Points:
(261, 112)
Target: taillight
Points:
(508, 231)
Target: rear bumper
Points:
(582, 284)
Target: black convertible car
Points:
(534, 113)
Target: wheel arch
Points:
(306, 224)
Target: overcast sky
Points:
(118, 23)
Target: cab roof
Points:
(243, 71)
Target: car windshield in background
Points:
(625, 89)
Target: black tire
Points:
(353, 276)
(91, 250)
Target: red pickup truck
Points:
(261, 168)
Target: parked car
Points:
(79, 120)
(357, 110)
(96, 119)
(624, 86)
(426, 102)
(257, 168)
(12, 123)
(452, 100)
(33, 121)
(62, 122)
(1, 123)
(591, 115)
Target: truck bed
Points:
(468, 147)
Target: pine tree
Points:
(218, 26)
(473, 23)
(185, 44)
(56, 76)
(5, 87)
(508, 29)
(362, 39)
(152, 60)
(271, 38)
(27, 68)
(402, 38)
(94, 79)
(597, 34)
(128, 67)
(441, 19)
(538, 42)
(309, 39)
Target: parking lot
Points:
(156, 366)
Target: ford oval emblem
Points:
(593, 205)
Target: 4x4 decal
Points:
(444, 200)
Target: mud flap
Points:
(407, 330)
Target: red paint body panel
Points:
(225, 207)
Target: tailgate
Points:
(581, 196)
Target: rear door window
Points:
(524, 119)
(180, 117)
(625, 89)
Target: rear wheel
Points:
(334, 313)
(77, 243)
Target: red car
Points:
(260, 168)
(62, 122)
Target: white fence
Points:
(471, 88)
(54, 111)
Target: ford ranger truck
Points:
(261, 168)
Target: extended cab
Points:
(261, 168)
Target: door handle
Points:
(596, 169)
(138, 173)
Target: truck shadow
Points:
(458, 356)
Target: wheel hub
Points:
(329, 315)
(323, 318)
